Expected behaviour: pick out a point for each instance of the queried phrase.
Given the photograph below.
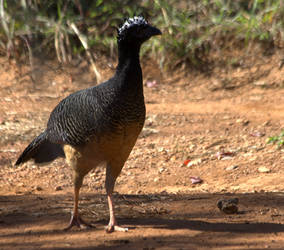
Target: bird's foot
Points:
(113, 228)
(78, 222)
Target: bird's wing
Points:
(75, 118)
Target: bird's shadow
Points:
(24, 210)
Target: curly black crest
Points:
(129, 23)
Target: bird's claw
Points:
(113, 228)
(78, 222)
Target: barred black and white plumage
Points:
(94, 112)
(101, 123)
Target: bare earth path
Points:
(221, 131)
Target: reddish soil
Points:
(220, 122)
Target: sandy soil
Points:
(217, 124)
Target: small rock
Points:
(253, 158)
(246, 122)
(195, 180)
(255, 97)
(225, 155)
(249, 154)
(160, 149)
(8, 99)
(148, 131)
(235, 188)
(257, 134)
(173, 158)
(227, 158)
(194, 162)
(260, 83)
(58, 188)
(263, 170)
(161, 170)
(267, 123)
(243, 122)
(230, 168)
(38, 188)
(156, 179)
(228, 206)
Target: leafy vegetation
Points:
(67, 29)
(277, 139)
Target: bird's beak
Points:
(153, 31)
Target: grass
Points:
(191, 29)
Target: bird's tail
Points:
(41, 150)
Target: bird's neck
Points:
(128, 68)
(128, 53)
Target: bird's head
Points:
(136, 30)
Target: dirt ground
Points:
(211, 126)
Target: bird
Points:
(100, 124)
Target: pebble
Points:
(267, 123)
(230, 168)
(173, 158)
(160, 149)
(156, 179)
(161, 170)
(228, 206)
(38, 188)
(242, 121)
(226, 158)
(195, 180)
(21, 184)
(254, 158)
(58, 188)
(260, 83)
(263, 170)
(194, 162)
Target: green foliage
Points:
(191, 29)
(278, 140)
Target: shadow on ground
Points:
(174, 221)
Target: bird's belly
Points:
(113, 148)
(117, 146)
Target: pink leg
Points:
(112, 225)
(75, 217)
